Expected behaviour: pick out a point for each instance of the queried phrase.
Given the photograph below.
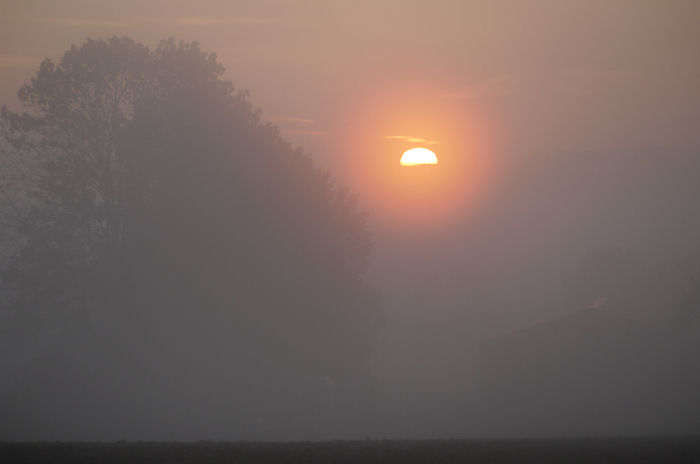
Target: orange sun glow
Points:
(415, 161)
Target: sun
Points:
(418, 157)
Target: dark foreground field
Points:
(582, 450)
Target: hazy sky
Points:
(561, 127)
(533, 76)
(487, 82)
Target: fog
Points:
(181, 265)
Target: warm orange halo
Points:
(417, 157)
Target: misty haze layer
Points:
(174, 269)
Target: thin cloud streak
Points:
(409, 138)
(213, 21)
(291, 119)
(303, 132)
(194, 21)
(80, 22)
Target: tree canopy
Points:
(168, 254)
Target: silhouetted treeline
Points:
(172, 268)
